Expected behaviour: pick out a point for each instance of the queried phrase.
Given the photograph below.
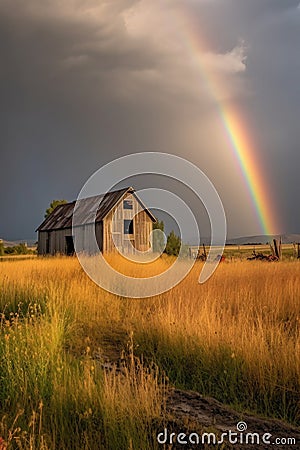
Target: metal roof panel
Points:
(62, 215)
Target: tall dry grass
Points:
(236, 337)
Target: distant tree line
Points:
(20, 249)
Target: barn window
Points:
(127, 204)
(128, 226)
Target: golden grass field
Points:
(236, 338)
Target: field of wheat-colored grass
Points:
(236, 337)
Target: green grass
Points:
(51, 399)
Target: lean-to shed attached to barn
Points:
(121, 221)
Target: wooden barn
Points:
(122, 221)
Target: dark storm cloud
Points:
(83, 82)
(223, 20)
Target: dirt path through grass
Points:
(194, 412)
(189, 411)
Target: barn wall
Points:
(57, 240)
(42, 242)
(113, 228)
(85, 240)
(143, 228)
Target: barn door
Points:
(69, 246)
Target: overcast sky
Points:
(83, 82)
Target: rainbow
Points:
(242, 147)
(243, 150)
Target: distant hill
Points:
(244, 240)
(263, 239)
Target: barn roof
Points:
(62, 215)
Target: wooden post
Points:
(280, 248)
(276, 248)
(272, 249)
(204, 252)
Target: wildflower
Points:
(3, 445)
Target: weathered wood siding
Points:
(85, 240)
(42, 237)
(143, 228)
(57, 240)
(113, 228)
